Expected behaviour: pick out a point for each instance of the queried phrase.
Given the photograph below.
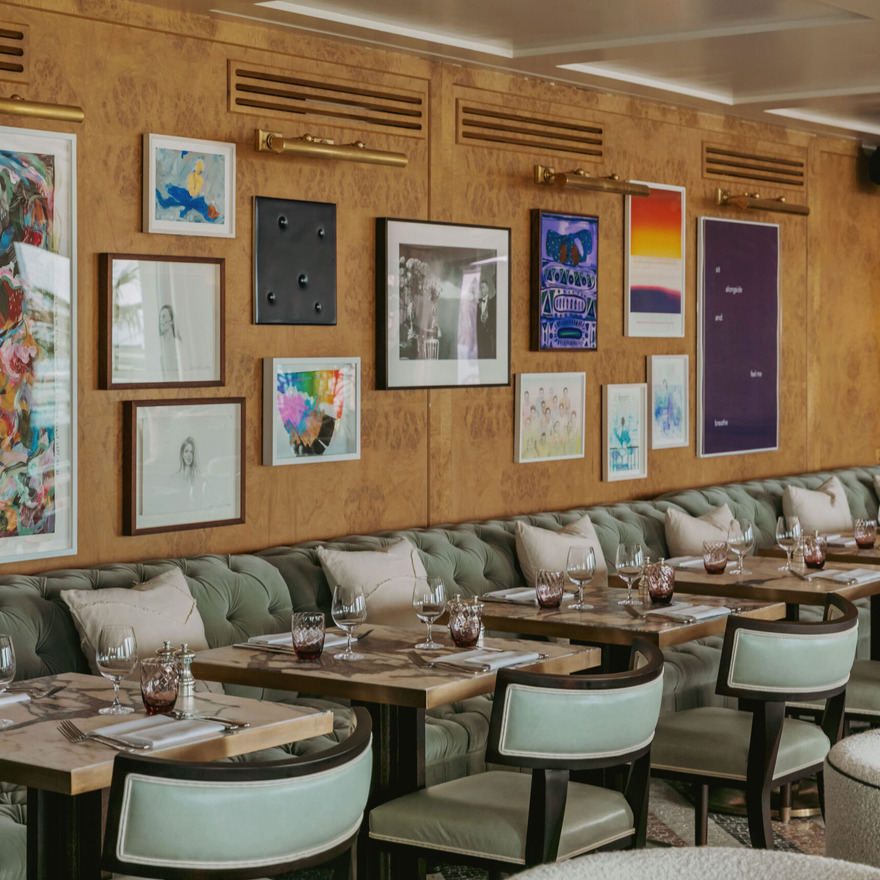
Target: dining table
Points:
(766, 580)
(65, 780)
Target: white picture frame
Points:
(550, 418)
(668, 383)
(625, 431)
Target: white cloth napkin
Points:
(700, 612)
(8, 699)
(856, 575)
(685, 562)
(331, 640)
(492, 659)
(666, 609)
(160, 731)
(840, 541)
(522, 596)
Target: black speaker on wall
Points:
(874, 167)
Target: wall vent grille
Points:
(488, 125)
(14, 57)
(383, 107)
(788, 171)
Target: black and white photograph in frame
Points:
(443, 295)
(183, 464)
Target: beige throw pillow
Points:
(685, 533)
(825, 508)
(159, 609)
(538, 548)
(387, 576)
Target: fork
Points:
(447, 665)
(73, 734)
(642, 615)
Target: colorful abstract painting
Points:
(655, 262)
(668, 384)
(314, 410)
(565, 267)
(35, 323)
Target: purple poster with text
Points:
(739, 337)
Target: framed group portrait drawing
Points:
(549, 416)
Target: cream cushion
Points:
(538, 548)
(387, 576)
(158, 609)
(825, 508)
(685, 533)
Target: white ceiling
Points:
(809, 63)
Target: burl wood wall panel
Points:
(441, 455)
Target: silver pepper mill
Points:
(187, 684)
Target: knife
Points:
(641, 615)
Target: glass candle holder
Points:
(307, 634)
(160, 679)
(815, 550)
(865, 533)
(659, 581)
(465, 622)
(549, 586)
(715, 556)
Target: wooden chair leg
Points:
(345, 866)
(701, 816)
(785, 803)
(820, 785)
(758, 809)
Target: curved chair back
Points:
(178, 819)
(772, 660)
(576, 722)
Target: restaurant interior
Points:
(442, 435)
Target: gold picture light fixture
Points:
(17, 106)
(581, 179)
(325, 148)
(745, 201)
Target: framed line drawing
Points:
(183, 464)
(38, 369)
(311, 410)
(565, 271)
(443, 304)
(625, 441)
(189, 186)
(654, 288)
(549, 416)
(670, 403)
(738, 325)
(162, 321)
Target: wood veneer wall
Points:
(442, 455)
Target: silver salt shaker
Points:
(187, 684)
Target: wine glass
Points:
(429, 602)
(115, 658)
(741, 539)
(580, 566)
(788, 536)
(349, 611)
(7, 671)
(630, 564)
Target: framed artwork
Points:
(162, 321)
(189, 186)
(738, 337)
(311, 410)
(183, 464)
(626, 431)
(38, 382)
(550, 416)
(670, 403)
(655, 262)
(443, 304)
(565, 271)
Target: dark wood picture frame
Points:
(168, 446)
(166, 324)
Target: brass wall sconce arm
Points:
(580, 179)
(313, 147)
(754, 201)
(18, 106)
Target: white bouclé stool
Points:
(852, 799)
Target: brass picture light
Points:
(325, 148)
(581, 179)
(17, 106)
(754, 202)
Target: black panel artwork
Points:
(294, 262)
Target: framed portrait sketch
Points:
(655, 262)
(183, 464)
(189, 186)
(311, 410)
(549, 416)
(565, 267)
(38, 344)
(626, 431)
(670, 401)
(443, 304)
(162, 321)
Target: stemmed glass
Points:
(741, 539)
(7, 671)
(580, 566)
(788, 536)
(116, 657)
(349, 611)
(429, 602)
(630, 564)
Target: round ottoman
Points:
(701, 863)
(852, 799)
